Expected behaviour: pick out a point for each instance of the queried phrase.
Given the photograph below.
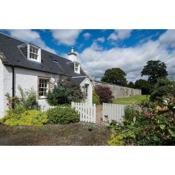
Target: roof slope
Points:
(50, 63)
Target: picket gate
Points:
(113, 112)
(87, 111)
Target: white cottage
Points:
(28, 66)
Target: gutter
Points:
(13, 86)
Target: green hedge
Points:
(63, 115)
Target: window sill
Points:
(42, 97)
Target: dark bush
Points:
(163, 88)
(64, 93)
(104, 93)
(144, 85)
(62, 115)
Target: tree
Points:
(64, 93)
(131, 84)
(154, 70)
(104, 93)
(144, 85)
(115, 76)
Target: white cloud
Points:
(168, 38)
(86, 35)
(101, 39)
(120, 34)
(131, 59)
(30, 36)
(67, 36)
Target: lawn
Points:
(131, 100)
(70, 134)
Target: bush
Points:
(96, 98)
(64, 93)
(145, 126)
(144, 85)
(104, 93)
(26, 100)
(25, 118)
(63, 115)
(163, 88)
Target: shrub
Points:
(104, 93)
(145, 126)
(25, 118)
(144, 85)
(63, 115)
(96, 98)
(26, 100)
(64, 93)
(163, 88)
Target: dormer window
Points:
(33, 53)
(77, 67)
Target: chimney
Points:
(72, 56)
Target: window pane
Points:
(43, 87)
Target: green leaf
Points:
(162, 126)
(171, 133)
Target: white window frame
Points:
(38, 54)
(47, 87)
(77, 67)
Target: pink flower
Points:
(147, 114)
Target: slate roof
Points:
(78, 80)
(50, 63)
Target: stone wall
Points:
(119, 91)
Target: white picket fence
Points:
(87, 111)
(113, 112)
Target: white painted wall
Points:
(1, 90)
(90, 89)
(7, 85)
(26, 79)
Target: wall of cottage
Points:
(28, 79)
(1, 90)
(5, 87)
(24, 78)
(119, 91)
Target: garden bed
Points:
(70, 134)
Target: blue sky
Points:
(99, 50)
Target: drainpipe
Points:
(13, 86)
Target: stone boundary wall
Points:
(119, 91)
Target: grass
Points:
(131, 100)
(70, 134)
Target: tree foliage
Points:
(154, 70)
(115, 76)
(163, 88)
(144, 85)
(131, 84)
